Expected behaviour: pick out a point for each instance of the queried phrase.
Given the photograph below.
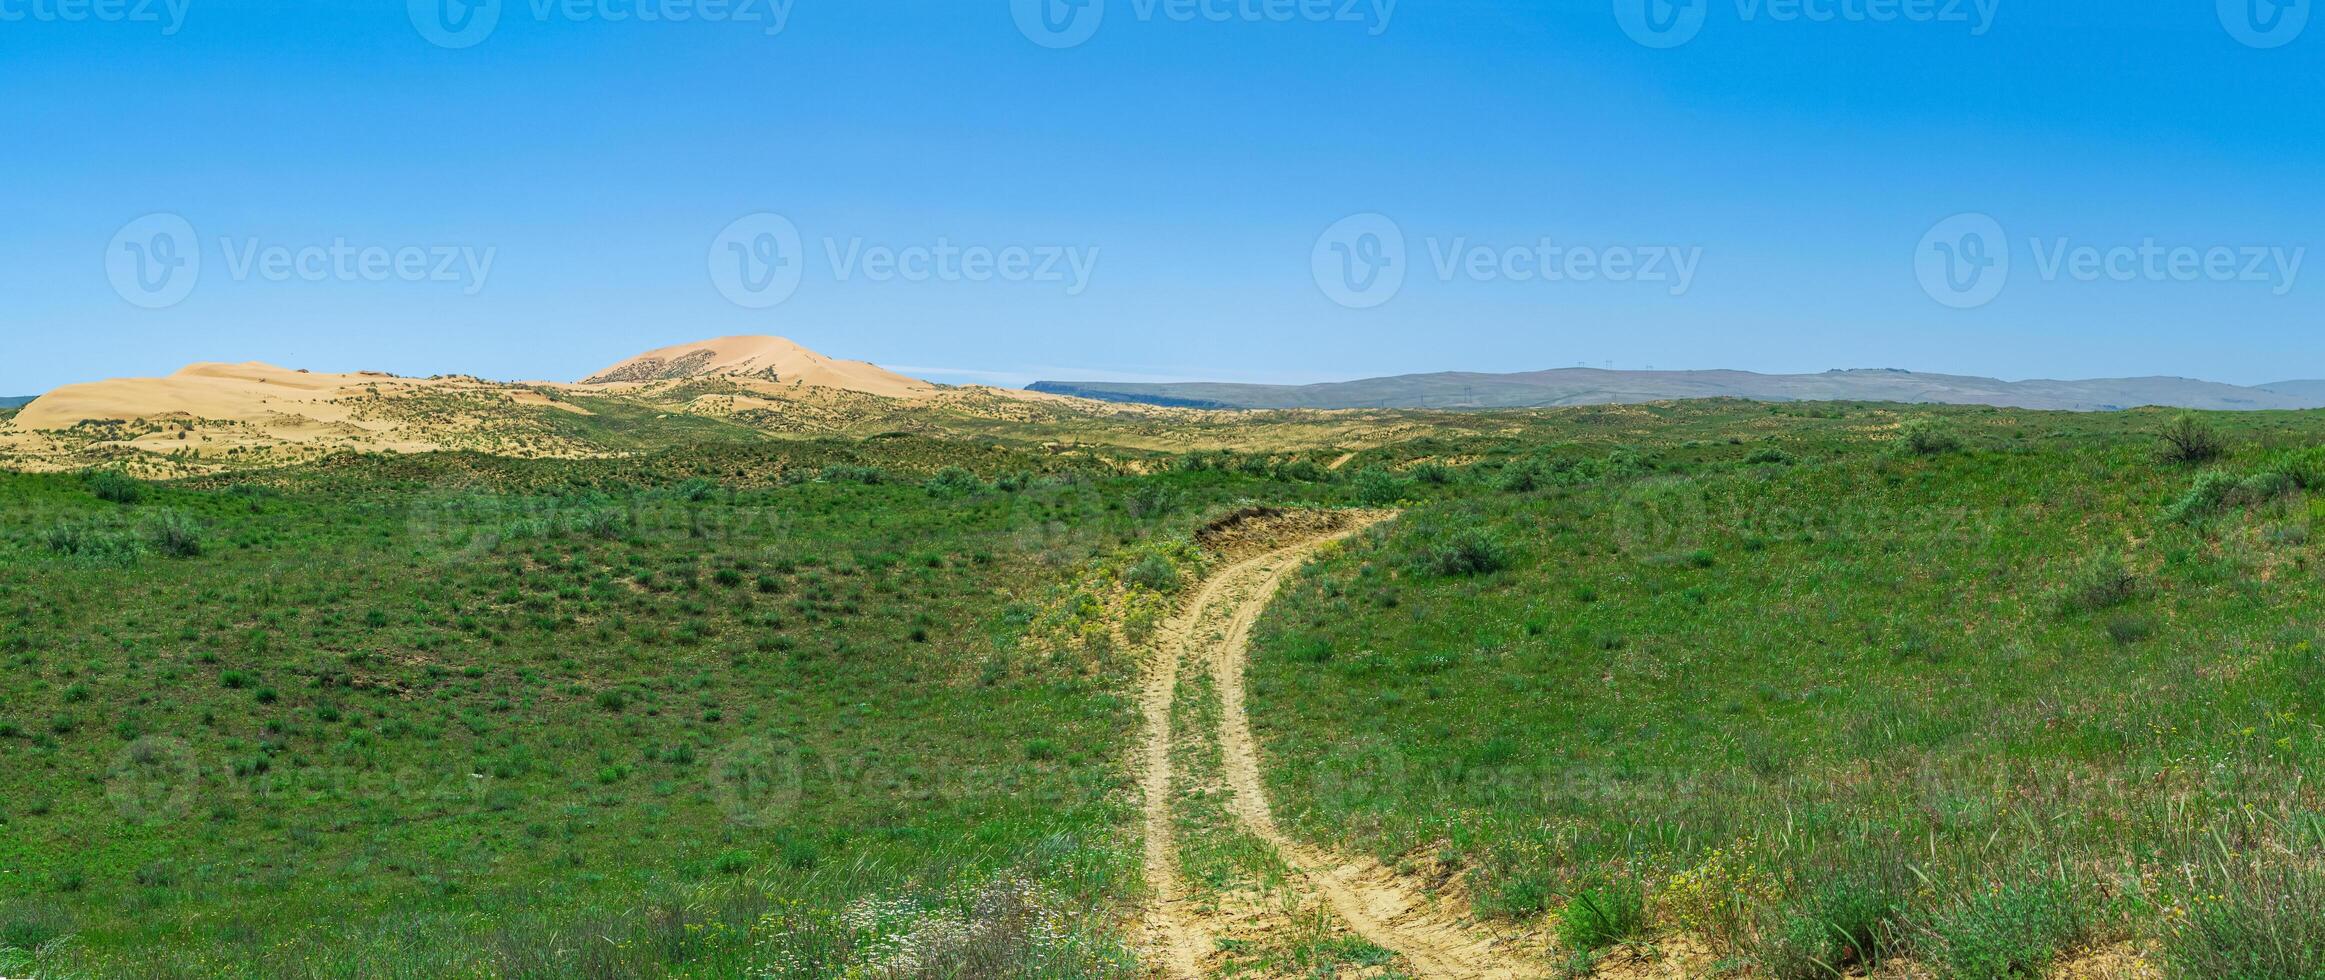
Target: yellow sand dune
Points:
(770, 358)
(250, 392)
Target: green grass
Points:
(696, 715)
(1728, 677)
(1775, 676)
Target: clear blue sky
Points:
(1200, 161)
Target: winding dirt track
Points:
(1215, 631)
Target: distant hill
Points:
(771, 359)
(17, 402)
(2305, 390)
(1588, 386)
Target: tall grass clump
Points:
(2012, 929)
(2104, 581)
(174, 535)
(2263, 924)
(1596, 918)
(92, 544)
(1444, 552)
(1850, 920)
(114, 486)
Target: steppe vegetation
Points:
(1985, 694)
(1816, 688)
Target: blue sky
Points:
(1191, 155)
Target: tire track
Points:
(1215, 631)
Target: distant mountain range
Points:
(1588, 386)
(17, 402)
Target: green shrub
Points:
(116, 487)
(1524, 476)
(2210, 492)
(1596, 918)
(1848, 921)
(1151, 500)
(953, 481)
(603, 524)
(1302, 471)
(93, 544)
(1432, 475)
(1928, 437)
(2187, 440)
(2215, 491)
(1462, 551)
(2103, 582)
(2304, 466)
(1154, 573)
(866, 475)
(731, 862)
(174, 535)
(2016, 929)
(1379, 488)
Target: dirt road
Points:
(1213, 634)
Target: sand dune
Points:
(260, 414)
(762, 358)
(250, 392)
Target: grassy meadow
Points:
(1982, 692)
(749, 711)
(1820, 686)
